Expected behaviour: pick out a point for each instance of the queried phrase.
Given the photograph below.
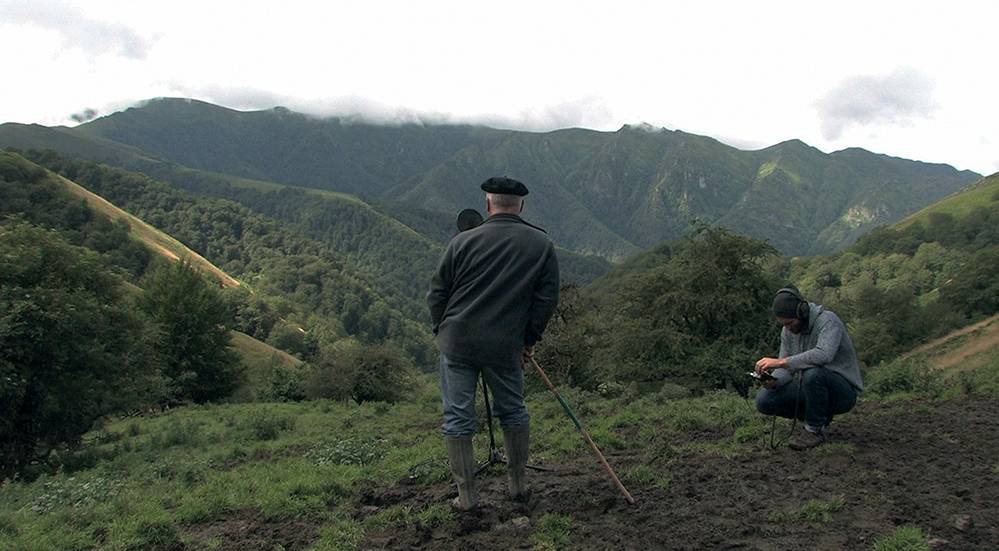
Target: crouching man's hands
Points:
(527, 355)
(769, 364)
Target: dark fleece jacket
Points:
(494, 292)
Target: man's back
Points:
(494, 291)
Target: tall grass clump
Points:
(904, 538)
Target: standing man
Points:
(814, 343)
(490, 300)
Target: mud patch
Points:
(250, 529)
(929, 464)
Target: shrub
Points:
(287, 384)
(263, 425)
(910, 376)
(350, 451)
(179, 432)
(74, 492)
(8, 527)
(379, 373)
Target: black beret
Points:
(504, 186)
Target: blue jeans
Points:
(823, 394)
(458, 383)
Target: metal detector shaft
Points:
(495, 457)
(586, 435)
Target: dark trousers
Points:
(822, 395)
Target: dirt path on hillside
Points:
(932, 465)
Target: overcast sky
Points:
(909, 79)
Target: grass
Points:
(814, 511)
(552, 532)
(146, 481)
(254, 352)
(959, 204)
(151, 479)
(644, 476)
(904, 538)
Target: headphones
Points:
(803, 308)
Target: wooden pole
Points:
(586, 435)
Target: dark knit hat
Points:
(786, 303)
(504, 186)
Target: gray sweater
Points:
(824, 343)
(494, 292)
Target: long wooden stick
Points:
(586, 435)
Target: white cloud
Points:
(748, 74)
(77, 29)
(588, 112)
(896, 98)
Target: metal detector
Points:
(495, 457)
(468, 219)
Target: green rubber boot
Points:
(516, 440)
(459, 454)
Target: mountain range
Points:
(609, 194)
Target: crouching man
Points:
(814, 344)
(491, 298)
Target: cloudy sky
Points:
(910, 79)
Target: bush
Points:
(8, 528)
(179, 432)
(379, 373)
(909, 376)
(287, 384)
(263, 425)
(351, 451)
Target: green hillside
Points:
(931, 273)
(959, 205)
(59, 192)
(155, 240)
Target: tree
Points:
(708, 309)
(696, 313)
(73, 349)
(377, 373)
(974, 289)
(194, 337)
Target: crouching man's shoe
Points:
(806, 439)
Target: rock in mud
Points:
(938, 543)
(961, 522)
(520, 523)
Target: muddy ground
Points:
(932, 465)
